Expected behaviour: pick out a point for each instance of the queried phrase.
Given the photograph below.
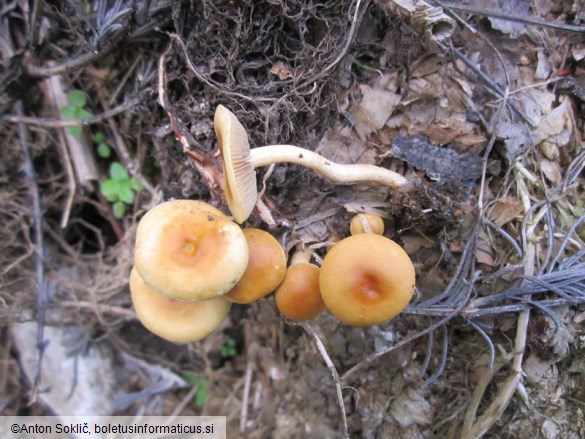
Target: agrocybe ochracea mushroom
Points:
(187, 256)
(265, 271)
(239, 162)
(298, 297)
(366, 223)
(191, 262)
(366, 279)
(189, 250)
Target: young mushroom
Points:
(366, 279)
(298, 296)
(366, 223)
(239, 162)
(265, 271)
(175, 320)
(189, 250)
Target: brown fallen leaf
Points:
(473, 143)
(551, 170)
(443, 133)
(505, 210)
(412, 243)
(484, 254)
(374, 110)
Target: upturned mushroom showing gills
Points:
(265, 271)
(176, 320)
(239, 162)
(366, 279)
(189, 250)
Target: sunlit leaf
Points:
(104, 151)
(109, 189)
(117, 171)
(119, 209)
(76, 98)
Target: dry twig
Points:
(43, 287)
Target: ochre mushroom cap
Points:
(266, 267)
(189, 250)
(366, 279)
(176, 320)
(366, 223)
(238, 172)
(298, 296)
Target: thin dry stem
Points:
(246, 397)
(507, 389)
(323, 351)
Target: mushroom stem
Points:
(337, 173)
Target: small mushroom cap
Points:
(298, 296)
(266, 267)
(238, 173)
(189, 250)
(366, 279)
(366, 223)
(176, 320)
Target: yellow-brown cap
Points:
(366, 279)
(298, 296)
(176, 320)
(266, 267)
(366, 223)
(189, 250)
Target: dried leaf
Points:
(73, 383)
(536, 369)
(413, 243)
(505, 210)
(550, 150)
(411, 407)
(344, 147)
(543, 68)
(484, 254)
(374, 110)
(400, 120)
(578, 53)
(442, 133)
(514, 138)
(429, 65)
(509, 27)
(465, 142)
(552, 171)
(537, 102)
(554, 123)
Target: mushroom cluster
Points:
(187, 256)
(365, 279)
(191, 262)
